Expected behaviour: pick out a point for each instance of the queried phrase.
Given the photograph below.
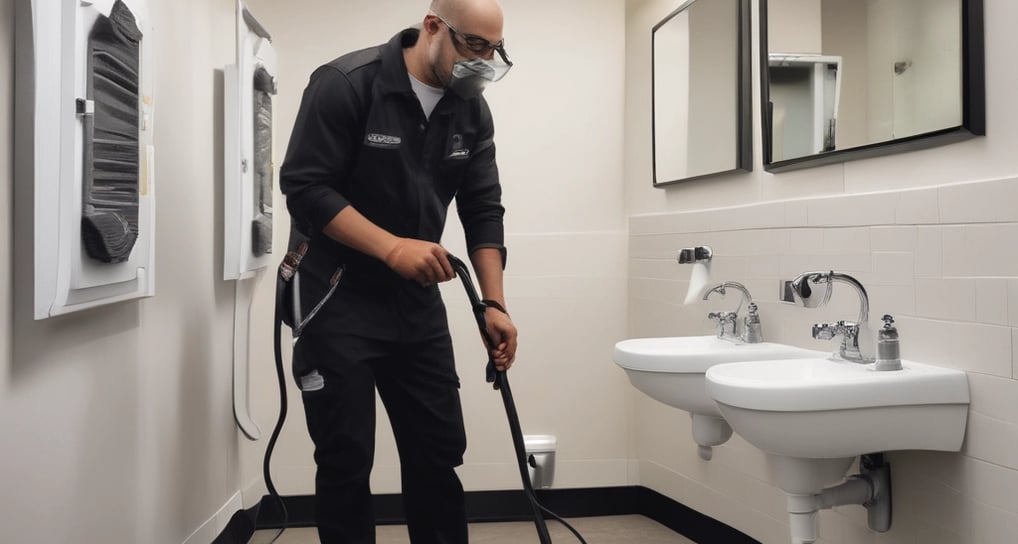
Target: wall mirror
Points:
(701, 91)
(849, 79)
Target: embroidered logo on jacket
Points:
(383, 141)
(458, 151)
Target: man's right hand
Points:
(421, 261)
(417, 260)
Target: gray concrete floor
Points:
(596, 530)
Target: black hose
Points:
(281, 377)
(500, 379)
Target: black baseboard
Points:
(240, 529)
(484, 506)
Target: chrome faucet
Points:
(751, 332)
(800, 289)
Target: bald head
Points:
(479, 17)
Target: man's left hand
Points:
(503, 334)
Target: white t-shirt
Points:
(428, 95)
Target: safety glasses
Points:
(479, 46)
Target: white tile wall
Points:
(989, 523)
(991, 301)
(929, 253)
(1014, 353)
(946, 298)
(846, 240)
(979, 202)
(763, 216)
(986, 250)
(893, 238)
(918, 207)
(862, 210)
(942, 260)
(893, 267)
(1012, 302)
(796, 213)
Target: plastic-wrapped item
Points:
(261, 225)
(111, 163)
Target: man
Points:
(385, 138)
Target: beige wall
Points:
(927, 94)
(672, 79)
(795, 26)
(714, 114)
(920, 32)
(843, 22)
(928, 236)
(6, 174)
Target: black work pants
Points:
(420, 391)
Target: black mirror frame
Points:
(744, 100)
(973, 103)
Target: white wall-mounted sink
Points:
(824, 408)
(671, 370)
(814, 416)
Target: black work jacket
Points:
(361, 139)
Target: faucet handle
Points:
(847, 328)
(722, 317)
(823, 331)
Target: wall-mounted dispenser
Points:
(700, 257)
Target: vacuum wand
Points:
(501, 382)
(478, 307)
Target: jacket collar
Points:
(393, 77)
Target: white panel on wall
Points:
(250, 85)
(85, 198)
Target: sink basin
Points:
(671, 370)
(814, 416)
(827, 409)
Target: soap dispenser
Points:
(752, 333)
(888, 349)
